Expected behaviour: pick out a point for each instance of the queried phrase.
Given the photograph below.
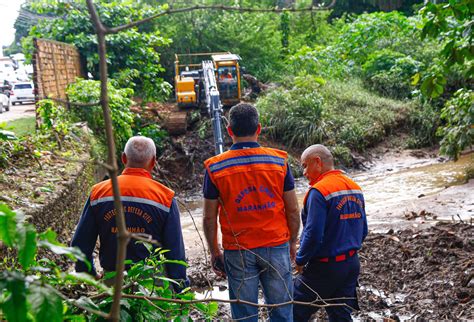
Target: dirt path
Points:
(18, 112)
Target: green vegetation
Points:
(36, 287)
(88, 91)
(458, 131)
(424, 57)
(136, 62)
(54, 135)
(344, 116)
(23, 126)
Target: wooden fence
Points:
(55, 65)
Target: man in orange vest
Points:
(334, 227)
(149, 208)
(250, 189)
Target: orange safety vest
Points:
(250, 184)
(136, 186)
(333, 184)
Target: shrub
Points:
(35, 287)
(323, 61)
(88, 91)
(342, 115)
(294, 114)
(423, 122)
(458, 132)
(388, 73)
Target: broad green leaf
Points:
(73, 253)
(14, 306)
(415, 79)
(125, 303)
(88, 279)
(7, 135)
(212, 308)
(50, 236)
(26, 240)
(125, 316)
(173, 261)
(163, 278)
(46, 305)
(109, 275)
(7, 225)
(87, 302)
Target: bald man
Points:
(334, 227)
(149, 206)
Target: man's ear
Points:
(259, 129)
(319, 161)
(229, 130)
(124, 158)
(152, 163)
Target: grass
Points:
(22, 126)
(342, 115)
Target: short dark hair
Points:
(243, 119)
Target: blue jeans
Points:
(269, 266)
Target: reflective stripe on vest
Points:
(135, 186)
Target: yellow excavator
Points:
(193, 77)
(209, 81)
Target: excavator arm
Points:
(213, 103)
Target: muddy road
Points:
(417, 260)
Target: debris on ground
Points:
(426, 274)
(409, 274)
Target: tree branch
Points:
(115, 30)
(236, 301)
(123, 236)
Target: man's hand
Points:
(292, 250)
(299, 268)
(217, 263)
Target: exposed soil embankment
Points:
(52, 191)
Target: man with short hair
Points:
(334, 227)
(251, 190)
(149, 208)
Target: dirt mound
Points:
(419, 274)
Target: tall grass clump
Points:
(294, 114)
(342, 115)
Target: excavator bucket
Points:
(177, 122)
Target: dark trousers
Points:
(328, 280)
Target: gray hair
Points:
(140, 150)
(320, 151)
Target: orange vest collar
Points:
(325, 174)
(139, 172)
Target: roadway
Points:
(18, 112)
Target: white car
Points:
(4, 102)
(22, 92)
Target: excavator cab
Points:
(228, 77)
(189, 79)
(209, 81)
